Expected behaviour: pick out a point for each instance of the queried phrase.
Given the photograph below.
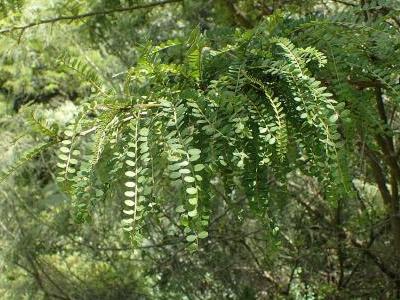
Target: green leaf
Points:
(174, 167)
(129, 203)
(180, 209)
(194, 151)
(129, 194)
(66, 142)
(184, 221)
(69, 133)
(189, 179)
(64, 150)
(192, 213)
(203, 235)
(194, 157)
(183, 163)
(184, 171)
(193, 201)
(144, 131)
(334, 118)
(63, 157)
(130, 163)
(191, 238)
(198, 167)
(191, 190)
(130, 174)
(71, 170)
(60, 179)
(130, 184)
(175, 175)
(128, 221)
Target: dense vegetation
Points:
(185, 149)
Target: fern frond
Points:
(84, 70)
(195, 53)
(281, 132)
(40, 125)
(25, 158)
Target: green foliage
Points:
(270, 151)
(177, 133)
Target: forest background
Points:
(187, 149)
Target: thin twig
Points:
(85, 15)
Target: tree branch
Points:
(379, 176)
(345, 3)
(362, 84)
(86, 15)
(240, 18)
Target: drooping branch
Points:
(85, 15)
